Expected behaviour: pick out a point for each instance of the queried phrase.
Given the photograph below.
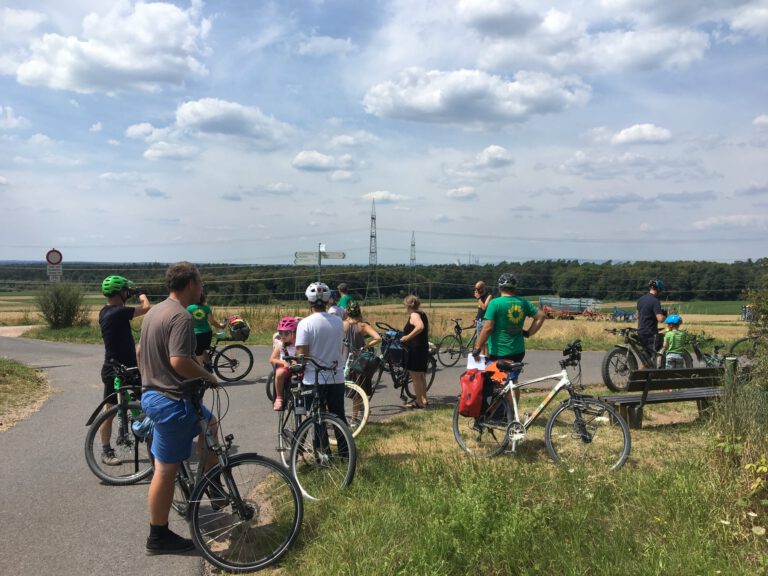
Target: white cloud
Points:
(40, 140)
(113, 142)
(732, 221)
(95, 127)
(634, 165)
(345, 176)
(384, 197)
(3, 181)
(497, 17)
(135, 46)
(473, 98)
(143, 131)
(122, 177)
(314, 161)
(9, 120)
(170, 151)
(219, 117)
(761, 121)
(359, 138)
(642, 134)
(442, 219)
(488, 165)
(463, 193)
(325, 46)
(752, 20)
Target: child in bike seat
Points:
(285, 346)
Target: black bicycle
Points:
(452, 347)
(393, 360)
(245, 512)
(123, 424)
(317, 446)
(232, 363)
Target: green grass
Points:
(21, 390)
(419, 505)
(705, 307)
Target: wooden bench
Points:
(680, 385)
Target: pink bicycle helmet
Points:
(287, 324)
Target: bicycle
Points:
(131, 449)
(628, 356)
(710, 360)
(246, 511)
(232, 363)
(322, 455)
(393, 358)
(581, 430)
(451, 348)
(747, 351)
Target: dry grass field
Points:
(20, 310)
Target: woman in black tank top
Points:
(416, 340)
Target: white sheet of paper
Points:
(478, 364)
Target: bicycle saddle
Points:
(509, 366)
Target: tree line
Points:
(232, 284)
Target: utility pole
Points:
(412, 269)
(372, 285)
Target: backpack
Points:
(471, 398)
(366, 363)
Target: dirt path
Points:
(14, 331)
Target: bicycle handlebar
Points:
(302, 361)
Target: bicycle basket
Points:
(392, 349)
(366, 363)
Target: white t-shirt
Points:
(323, 335)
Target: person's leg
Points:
(105, 432)
(161, 492)
(280, 375)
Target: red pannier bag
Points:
(471, 399)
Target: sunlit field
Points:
(20, 310)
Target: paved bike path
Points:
(56, 517)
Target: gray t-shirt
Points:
(323, 333)
(167, 331)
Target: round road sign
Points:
(53, 256)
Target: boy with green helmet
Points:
(119, 346)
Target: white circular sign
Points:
(53, 256)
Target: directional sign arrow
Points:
(334, 255)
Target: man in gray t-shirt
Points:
(167, 358)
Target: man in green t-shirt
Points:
(504, 319)
(202, 315)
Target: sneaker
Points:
(170, 543)
(278, 405)
(108, 457)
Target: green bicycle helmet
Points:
(114, 285)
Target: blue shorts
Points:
(176, 426)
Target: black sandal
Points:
(413, 405)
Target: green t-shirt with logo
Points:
(200, 315)
(508, 314)
(345, 301)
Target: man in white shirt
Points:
(321, 337)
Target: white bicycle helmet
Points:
(318, 291)
(507, 280)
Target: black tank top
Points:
(422, 338)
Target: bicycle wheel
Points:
(431, 371)
(245, 516)
(356, 408)
(449, 350)
(617, 365)
(133, 462)
(233, 363)
(585, 432)
(182, 489)
(286, 432)
(320, 468)
(271, 386)
(745, 350)
(486, 435)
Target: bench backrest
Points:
(667, 379)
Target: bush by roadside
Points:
(62, 305)
(22, 391)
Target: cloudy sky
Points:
(506, 129)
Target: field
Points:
(722, 320)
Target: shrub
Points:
(61, 305)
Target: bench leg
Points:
(704, 405)
(623, 412)
(635, 417)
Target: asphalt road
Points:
(57, 518)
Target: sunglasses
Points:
(286, 332)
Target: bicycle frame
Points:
(564, 382)
(124, 394)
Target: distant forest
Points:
(245, 284)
